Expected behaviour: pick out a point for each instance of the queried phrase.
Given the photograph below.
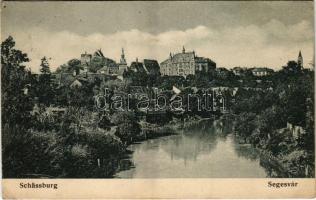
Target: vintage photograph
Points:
(156, 90)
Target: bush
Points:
(296, 163)
(33, 153)
(77, 161)
(128, 131)
(245, 124)
(103, 144)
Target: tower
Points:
(183, 49)
(85, 61)
(123, 64)
(123, 60)
(300, 60)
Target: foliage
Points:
(15, 80)
(80, 143)
(44, 66)
(270, 119)
(32, 153)
(45, 88)
(76, 96)
(291, 100)
(245, 124)
(128, 127)
(296, 161)
(128, 131)
(103, 144)
(121, 117)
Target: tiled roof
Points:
(138, 66)
(180, 57)
(151, 65)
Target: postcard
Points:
(157, 99)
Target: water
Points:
(204, 151)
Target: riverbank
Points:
(279, 150)
(150, 131)
(274, 167)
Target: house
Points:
(137, 67)
(151, 67)
(186, 63)
(109, 69)
(263, 71)
(76, 84)
(238, 71)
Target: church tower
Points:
(300, 60)
(123, 64)
(123, 60)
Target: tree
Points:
(127, 131)
(270, 119)
(45, 85)
(292, 67)
(128, 128)
(44, 66)
(120, 117)
(245, 124)
(16, 103)
(62, 68)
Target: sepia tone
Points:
(154, 92)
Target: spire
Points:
(123, 60)
(183, 49)
(300, 59)
(170, 55)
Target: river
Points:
(207, 150)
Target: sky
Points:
(232, 33)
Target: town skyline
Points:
(229, 34)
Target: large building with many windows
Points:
(186, 63)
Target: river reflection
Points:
(203, 151)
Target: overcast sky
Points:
(230, 33)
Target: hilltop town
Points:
(184, 64)
(75, 117)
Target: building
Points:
(300, 60)
(186, 63)
(137, 67)
(238, 71)
(109, 69)
(76, 84)
(294, 66)
(151, 67)
(263, 71)
(122, 66)
(85, 60)
(106, 65)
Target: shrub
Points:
(31, 153)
